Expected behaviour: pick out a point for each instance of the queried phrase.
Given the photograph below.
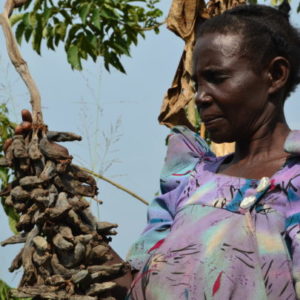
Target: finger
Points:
(26, 126)
(19, 129)
(23, 128)
(26, 115)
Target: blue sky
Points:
(93, 103)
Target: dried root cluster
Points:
(66, 253)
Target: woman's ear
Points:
(278, 73)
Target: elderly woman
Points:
(228, 227)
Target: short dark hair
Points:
(267, 33)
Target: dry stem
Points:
(115, 184)
(19, 63)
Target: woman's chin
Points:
(218, 137)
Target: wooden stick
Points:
(19, 63)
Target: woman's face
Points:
(232, 99)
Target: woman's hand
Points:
(123, 281)
(26, 124)
(23, 128)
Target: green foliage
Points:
(6, 131)
(4, 292)
(106, 28)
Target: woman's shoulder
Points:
(289, 175)
(292, 143)
(292, 146)
(185, 149)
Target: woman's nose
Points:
(203, 98)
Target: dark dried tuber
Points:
(56, 136)
(53, 150)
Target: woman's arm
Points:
(185, 149)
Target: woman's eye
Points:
(208, 76)
(215, 77)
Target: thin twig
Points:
(154, 26)
(17, 60)
(115, 184)
(139, 28)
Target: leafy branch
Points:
(6, 131)
(106, 28)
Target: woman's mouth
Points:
(212, 121)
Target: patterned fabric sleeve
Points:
(185, 148)
(292, 224)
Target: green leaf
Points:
(120, 45)
(14, 19)
(88, 45)
(93, 41)
(131, 35)
(72, 34)
(3, 176)
(13, 220)
(48, 13)
(5, 292)
(29, 19)
(59, 32)
(26, 20)
(65, 14)
(96, 19)
(27, 33)
(13, 217)
(37, 36)
(50, 44)
(19, 32)
(37, 4)
(108, 13)
(298, 8)
(84, 11)
(73, 57)
(49, 36)
(115, 61)
(25, 5)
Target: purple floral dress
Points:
(213, 236)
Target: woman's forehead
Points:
(227, 45)
(220, 52)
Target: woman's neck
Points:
(265, 144)
(261, 155)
